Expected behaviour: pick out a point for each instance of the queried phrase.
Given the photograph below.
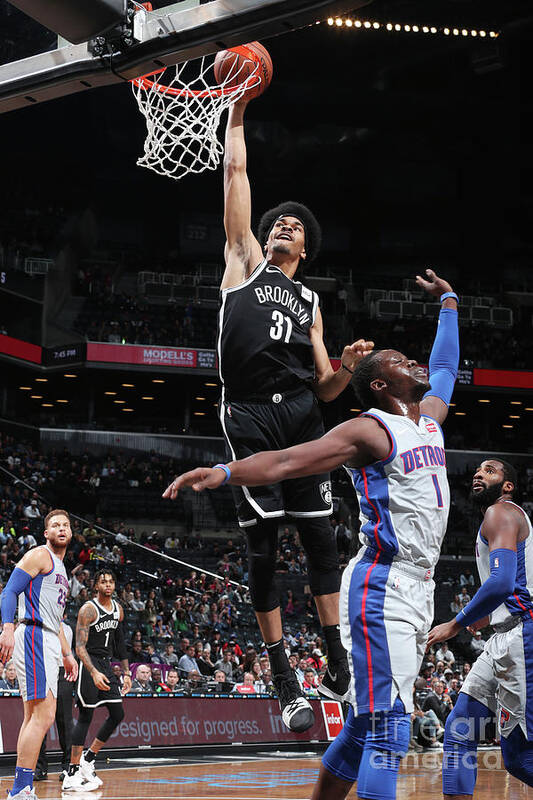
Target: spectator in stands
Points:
(247, 686)
(172, 680)
(445, 654)
(32, 510)
(26, 540)
(310, 682)
(187, 663)
(466, 579)
(464, 596)
(169, 656)
(477, 645)
(466, 669)
(456, 605)
(137, 603)
(137, 653)
(142, 682)
(172, 544)
(453, 690)
(438, 701)
(225, 664)
(195, 681)
(221, 683)
(9, 683)
(203, 658)
(117, 671)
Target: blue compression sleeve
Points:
(15, 586)
(444, 358)
(498, 586)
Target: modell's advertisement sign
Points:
(149, 355)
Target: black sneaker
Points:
(40, 775)
(296, 711)
(336, 682)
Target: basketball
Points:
(239, 63)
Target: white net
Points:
(182, 106)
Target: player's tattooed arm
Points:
(86, 615)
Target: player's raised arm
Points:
(328, 383)
(242, 251)
(358, 442)
(444, 358)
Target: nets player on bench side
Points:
(99, 636)
(273, 366)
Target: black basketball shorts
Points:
(87, 695)
(282, 422)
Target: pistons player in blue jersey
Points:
(394, 454)
(39, 583)
(501, 680)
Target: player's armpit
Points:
(434, 407)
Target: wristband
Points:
(444, 296)
(351, 371)
(226, 470)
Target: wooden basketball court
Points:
(267, 778)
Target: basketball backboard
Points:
(37, 67)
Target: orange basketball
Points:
(237, 64)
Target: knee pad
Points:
(116, 715)
(262, 542)
(387, 741)
(318, 540)
(464, 729)
(81, 727)
(343, 756)
(518, 756)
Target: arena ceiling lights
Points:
(400, 27)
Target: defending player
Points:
(503, 673)
(99, 636)
(395, 455)
(39, 581)
(273, 364)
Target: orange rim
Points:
(144, 82)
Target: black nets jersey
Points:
(101, 640)
(263, 334)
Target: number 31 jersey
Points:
(404, 500)
(263, 334)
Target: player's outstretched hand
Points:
(433, 285)
(354, 353)
(100, 681)
(441, 633)
(71, 668)
(200, 478)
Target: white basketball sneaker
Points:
(88, 771)
(77, 783)
(25, 794)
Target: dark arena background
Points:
(406, 127)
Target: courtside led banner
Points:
(148, 355)
(165, 721)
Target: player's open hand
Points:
(441, 633)
(126, 686)
(100, 681)
(433, 285)
(71, 668)
(200, 478)
(354, 353)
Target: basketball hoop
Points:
(182, 106)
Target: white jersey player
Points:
(396, 458)
(501, 679)
(39, 581)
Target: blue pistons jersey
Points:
(404, 500)
(520, 601)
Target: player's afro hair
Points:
(364, 374)
(313, 233)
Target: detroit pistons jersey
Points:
(101, 639)
(520, 600)
(43, 600)
(404, 500)
(263, 334)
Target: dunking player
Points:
(395, 456)
(99, 635)
(40, 583)
(503, 673)
(273, 365)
